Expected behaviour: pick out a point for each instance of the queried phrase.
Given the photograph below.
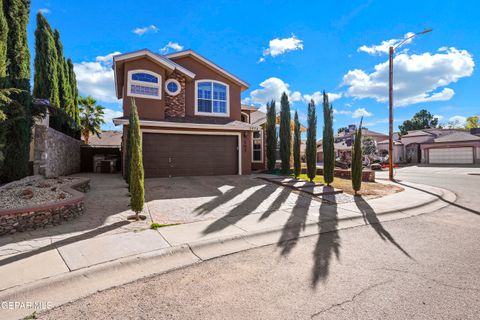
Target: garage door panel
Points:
(451, 155)
(187, 155)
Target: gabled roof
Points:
(416, 133)
(210, 64)
(457, 137)
(171, 66)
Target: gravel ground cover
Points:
(33, 190)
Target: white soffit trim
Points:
(169, 124)
(218, 133)
(209, 63)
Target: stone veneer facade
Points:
(175, 105)
(31, 218)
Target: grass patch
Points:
(156, 225)
(32, 316)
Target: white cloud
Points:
(44, 11)
(277, 47)
(361, 112)
(96, 78)
(271, 89)
(109, 114)
(175, 46)
(458, 121)
(317, 97)
(385, 45)
(439, 117)
(142, 31)
(417, 78)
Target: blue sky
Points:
(302, 47)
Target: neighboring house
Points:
(436, 146)
(344, 140)
(258, 119)
(103, 152)
(190, 114)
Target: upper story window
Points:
(144, 84)
(211, 98)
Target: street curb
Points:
(67, 287)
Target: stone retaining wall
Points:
(55, 153)
(31, 218)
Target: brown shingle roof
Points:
(457, 136)
(107, 139)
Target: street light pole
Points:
(391, 51)
(390, 114)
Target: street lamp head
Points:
(426, 31)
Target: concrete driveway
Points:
(188, 199)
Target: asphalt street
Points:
(425, 267)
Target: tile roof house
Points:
(344, 141)
(437, 146)
(191, 117)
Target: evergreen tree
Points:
(357, 165)
(271, 132)
(297, 140)
(17, 135)
(285, 134)
(328, 142)
(128, 156)
(3, 45)
(62, 76)
(311, 151)
(73, 90)
(137, 190)
(46, 81)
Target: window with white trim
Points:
(144, 84)
(257, 146)
(173, 87)
(211, 98)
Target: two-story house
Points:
(190, 114)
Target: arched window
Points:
(212, 98)
(144, 84)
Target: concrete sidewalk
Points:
(71, 268)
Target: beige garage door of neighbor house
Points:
(451, 156)
(175, 155)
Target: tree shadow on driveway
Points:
(370, 217)
(246, 207)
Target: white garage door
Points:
(451, 155)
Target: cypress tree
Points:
(285, 134)
(73, 90)
(62, 76)
(137, 190)
(328, 142)
(357, 165)
(17, 135)
(271, 132)
(3, 45)
(297, 140)
(46, 63)
(312, 141)
(128, 156)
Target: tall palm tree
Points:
(91, 117)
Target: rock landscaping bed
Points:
(33, 191)
(35, 202)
